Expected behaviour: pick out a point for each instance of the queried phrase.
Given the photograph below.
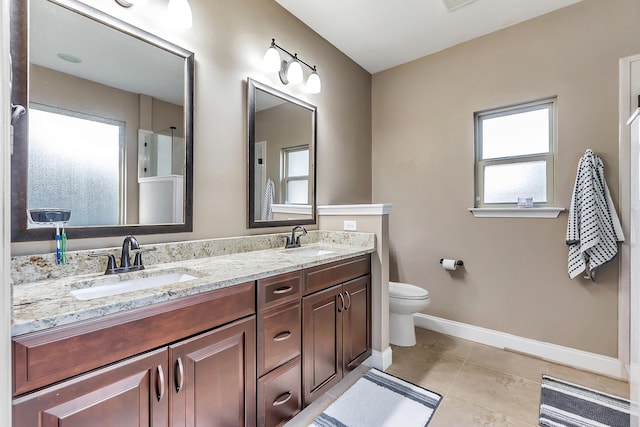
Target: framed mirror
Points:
(108, 132)
(281, 156)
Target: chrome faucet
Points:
(130, 244)
(293, 241)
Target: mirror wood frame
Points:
(19, 32)
(252, 86)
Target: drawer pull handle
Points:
(179, 375)
(348, 300)
(160, 383)
(282, 290)
(341, 306)
(282, 399)
(282, 336)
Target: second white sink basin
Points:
(131, 285)
(308, 252)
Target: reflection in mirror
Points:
(108, 132)
(282, 146)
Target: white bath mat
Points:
(378, 399)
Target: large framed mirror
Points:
(281, 156)
(108, 132)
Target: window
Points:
(515, 148)
(296, 175)
(74, 157)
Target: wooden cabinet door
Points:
(322, 342)
(131, 393)
(213, 377)
(356, 322)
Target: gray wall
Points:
(515, 277)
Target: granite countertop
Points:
(48, 303)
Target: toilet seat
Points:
(405, 291)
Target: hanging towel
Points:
(267, 200)
(593, 229)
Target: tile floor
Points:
(480, 385)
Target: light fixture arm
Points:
(292, 55)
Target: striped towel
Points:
(593, 229)
(267, 201)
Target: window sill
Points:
(516, 212)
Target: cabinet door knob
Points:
(282, 336)
(282, 290)
(179, 375)
(348, 300)
(282, 399)
(341, 306)
(160, 383)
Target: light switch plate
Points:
(350, 225)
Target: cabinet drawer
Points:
(324, 276)
(279, 336)
(279, 397)
(277, 290)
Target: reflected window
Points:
(296, 175)
(515, 149)
(81, 155)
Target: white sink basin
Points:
(308, 252)
(120, 287)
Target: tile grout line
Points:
(458, 373)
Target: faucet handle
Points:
(111, 261)
(137, 262)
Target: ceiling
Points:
(382, 34)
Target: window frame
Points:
(285, 172)
(549, 157)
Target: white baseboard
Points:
(379, 359)
(593, 362)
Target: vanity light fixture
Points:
(178, 11)
(291, 71)
(129, 3)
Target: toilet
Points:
(404, 300)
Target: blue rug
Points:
(563, 404)
(378, 399)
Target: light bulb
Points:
(272, 59)
(313, 83)
(294, 72)
(179, 14)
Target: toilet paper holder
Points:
(459, 262)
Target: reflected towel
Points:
(267, 201)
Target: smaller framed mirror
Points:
(281, 157)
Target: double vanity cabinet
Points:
(254, 353)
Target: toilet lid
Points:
(406, 291)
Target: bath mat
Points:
(378, 399)
(566, 404)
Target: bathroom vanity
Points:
(250, 348)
